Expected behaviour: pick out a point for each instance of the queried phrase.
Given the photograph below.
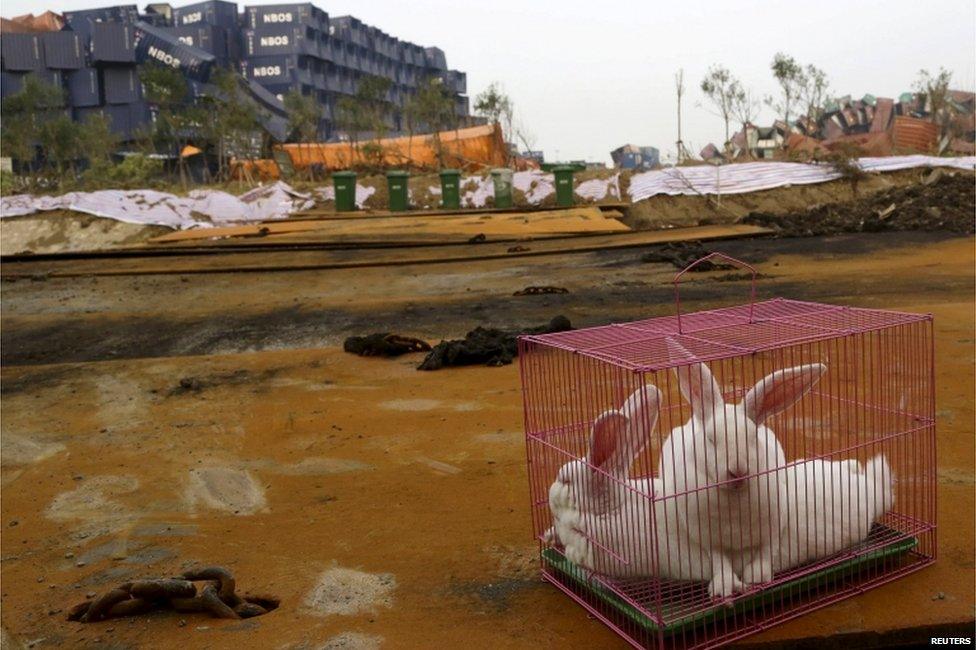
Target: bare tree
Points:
(814, 91)
(790, 77)
(679, 87)
(745, 107)
(935, 88)
(724, 92)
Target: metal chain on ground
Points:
(217, 596)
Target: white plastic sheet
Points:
(199, 209)
(751, 177)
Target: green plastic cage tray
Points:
(578, 578)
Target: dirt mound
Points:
(941, 202)
(62, 231)
(664, 211)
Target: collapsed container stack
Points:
(281, 48)
(286, 48)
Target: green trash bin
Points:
(396, 183)
(501, 178)
(345, 191)
(450, 189)
(564, 184)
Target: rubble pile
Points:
(876, 126)
(943, 201)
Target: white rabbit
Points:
(717, 477)
(599, 513)
(832, 507)
(606, 522)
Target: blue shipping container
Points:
(83, 21)
(83, 87)
(121, 85)
(215, 12)
(158, 46)
(11, 83)
(294, 14)
(209, 38)
(270, 41)
(21, 52)
(113, 43)
(270, 69)
(64, 50)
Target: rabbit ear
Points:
(641, 409)
(609, 430)
(700, 389)
(619, 436)
(780, 389)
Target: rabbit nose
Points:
(737, 478)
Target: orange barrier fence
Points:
(470, 148)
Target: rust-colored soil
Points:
(386, 507)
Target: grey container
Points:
(212, 39)
(113, 43)
(52, 78)
(21, 52)
(121, 85)
(120, 122)
(268, 41)
(259, 16)
(215, 12)
(155, 45)
(267, 70)
(64, 50)
(83, 87)
(458, 81)
(434, 58)
(84, 21)
(11, 83)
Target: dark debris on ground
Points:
(486, 346)
(943, 201)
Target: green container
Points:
(564, 184)
(451, 189)
(345, 191)
(396, 183)
(501, 178)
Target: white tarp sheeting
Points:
(751, 177)
(199, 209)
(207, 208)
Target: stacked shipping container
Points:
(280, 47)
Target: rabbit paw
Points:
(758, 571)
(723, 586)
(580, 552)
(550, 538)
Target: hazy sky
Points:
(589, 76)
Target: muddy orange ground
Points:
(403, 492)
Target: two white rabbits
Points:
(729, 510)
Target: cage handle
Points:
(709, 257)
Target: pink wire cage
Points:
(697, 478)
